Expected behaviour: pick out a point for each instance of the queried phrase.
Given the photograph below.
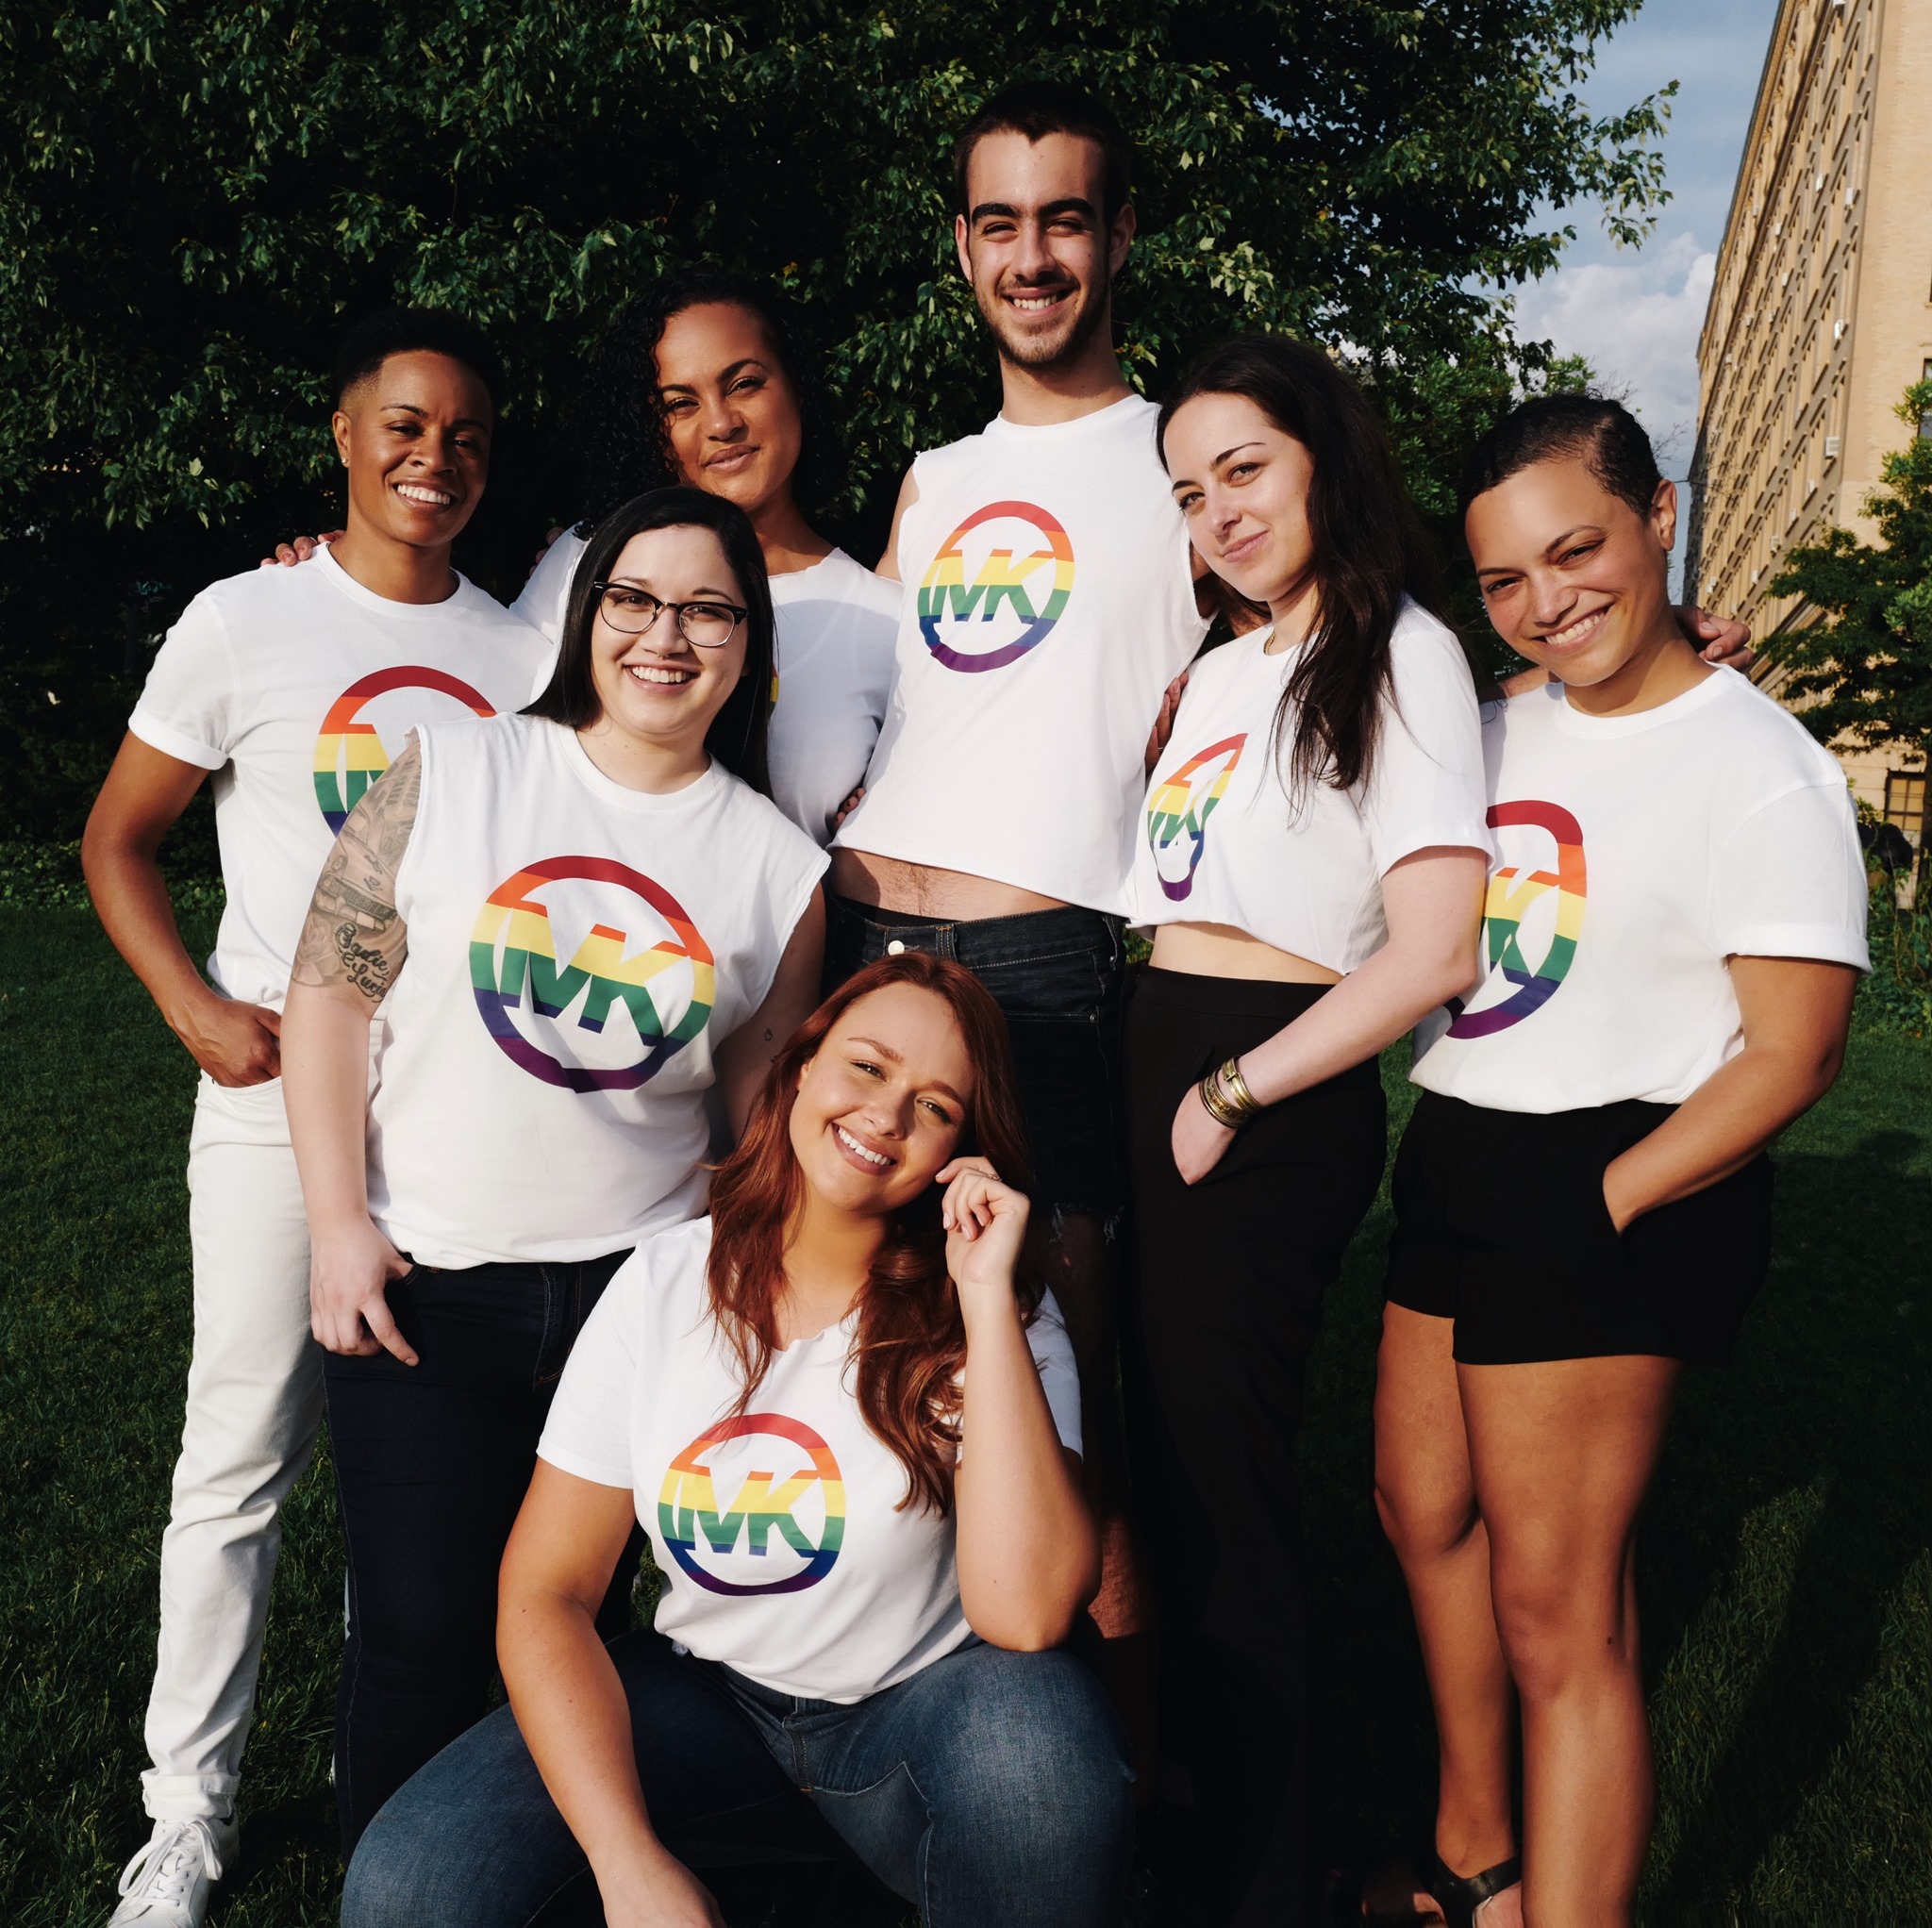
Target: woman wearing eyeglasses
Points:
(700, 381)
(575, 920)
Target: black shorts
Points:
(1501, 1225)
(1059, 978)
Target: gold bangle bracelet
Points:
(1217, 1106)
(1236, 1088)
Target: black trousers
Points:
(432, 1461)
(1229, 1277)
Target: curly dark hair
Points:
(624, 435)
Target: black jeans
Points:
(432, 1461)
(1227, 1299)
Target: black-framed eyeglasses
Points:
(633, 611)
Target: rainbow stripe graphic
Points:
(1182, 804)
(947, 602)
(1510, 898)
(600, 973)
(691, 1522)
(349, 756)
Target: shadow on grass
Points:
(1794, 1505)
(1784, 1574)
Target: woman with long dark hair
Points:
(701, 381)
(848, 1416)
(1312, 865)
(576, 922)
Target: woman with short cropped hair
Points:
(1675, 927)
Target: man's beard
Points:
(1048, 350)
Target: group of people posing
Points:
(671, 1070)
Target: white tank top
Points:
(1218, 844)
(578, 952)
(1049, 604)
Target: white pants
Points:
(254, 1407)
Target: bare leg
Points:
(1562, 1453)
(1426, 1493)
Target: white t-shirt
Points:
(577, 953)
(785, 1547)
(836, 624)
(1220, 844)
(1639, 852)
(296, 687)
(1049, 604)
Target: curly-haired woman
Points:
(849, 1417)
(700, 381)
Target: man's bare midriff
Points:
(927, 891)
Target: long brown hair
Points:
(1371, 551)
(911, 1340)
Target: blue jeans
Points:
(991, 1788)
(431, 1462)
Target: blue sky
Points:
(1635, 314)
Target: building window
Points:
(1905, 802)
(1925, 420)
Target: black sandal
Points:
(1459, 1896)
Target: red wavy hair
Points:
(911, 1340)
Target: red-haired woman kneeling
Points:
(850, 1423)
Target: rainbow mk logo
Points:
(349, 751)
(558, 1021)
(1179, 810)
(998, 585)
(1516, 896)
(788, 1512)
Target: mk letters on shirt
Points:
(578, 952)
(780, 1531)
(1049, 603)
(1636, 856)
(296, 687)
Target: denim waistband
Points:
(978, 941)
(774, 1700)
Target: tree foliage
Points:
(195, 196)
(1865, 670)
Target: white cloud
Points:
(1635, 319)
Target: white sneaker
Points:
(166, 1885)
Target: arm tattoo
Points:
(354, 935)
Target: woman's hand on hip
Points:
(1198, 1140)
(348, 1310)
(986, 1226)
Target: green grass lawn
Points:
(1787, 1567)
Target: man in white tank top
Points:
(292, 689)
(1049, 604)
